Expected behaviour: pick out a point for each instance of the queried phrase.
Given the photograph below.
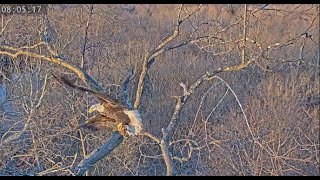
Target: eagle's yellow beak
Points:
(90, 110)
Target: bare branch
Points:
(150, 57)
(167, 157)
(157, 140)
(184, 87)
(46, 44)
(82, 74)
(124, 89)
(4, 25)
(240, 105)
(34, 46)
(85, 37)
(99, 153)
(243, 53)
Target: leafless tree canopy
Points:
(222, 89)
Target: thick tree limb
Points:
(125, 98)
(81, 74)
(98, 154)
(167, 157)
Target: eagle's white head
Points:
(96, 107)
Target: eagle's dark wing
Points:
(123, 118)
(107, 101)
(100, 122)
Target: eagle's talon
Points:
(122, 129)
(119, 126)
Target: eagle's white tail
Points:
(135, 126)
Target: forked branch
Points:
(149, 58)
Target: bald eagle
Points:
(112, 115)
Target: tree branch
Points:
(4, 25)
(125, 98)
(98, 154)
(80, 73)
(85, 37)
(151, 136)
(243, 53)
